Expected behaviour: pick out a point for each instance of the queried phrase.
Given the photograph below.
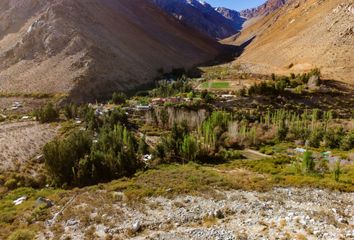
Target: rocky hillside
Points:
(216, 23)
(302, 35)
(266, 8)
(91, 48)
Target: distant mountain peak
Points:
(203, 17)
(264, 9)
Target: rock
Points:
(20, 200)
(314, 82)
(41, 201)
(118, 196)
(71, 222)
(136, 226)
(218, 214)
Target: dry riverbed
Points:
(282, 213)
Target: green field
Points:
(216, 85)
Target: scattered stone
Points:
(136, 226)
(71, 222)
(44, 202)
(20, 200)
(218, 214)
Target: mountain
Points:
(266, 8)
(203, 17)
(89, 48)
(232, 15)
(302, 35)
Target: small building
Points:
(141, 107)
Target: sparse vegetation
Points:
(47, 114)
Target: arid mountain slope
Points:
(303, 34)
(264, 9)
(89, 48)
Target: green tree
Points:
(282, 131)
(347, 142)
(308, 163)
(143, 147)
(164, 116)
(189, 148)
(63, 155)
(337, 171)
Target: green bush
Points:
(70, 111)
(11, 183)
(347, 142)
(119, 98)
(22, 234)
(308, 163)
(47, 114)
(337, 171)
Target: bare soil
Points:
(22, 141)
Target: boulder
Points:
(41, 201)
(314, 82)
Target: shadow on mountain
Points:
(229, 53)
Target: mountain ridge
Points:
(268, 7)
(203, 17)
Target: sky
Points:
(236, 4)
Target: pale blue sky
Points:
(236, 4)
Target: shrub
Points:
(333, 137)
(206, 96)
(119, 98)
(11, 183)
(347, 142)
(315, 138)
(22, 234)
(70, 111)
(337, 171)
(47, 114)
(308, 163)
